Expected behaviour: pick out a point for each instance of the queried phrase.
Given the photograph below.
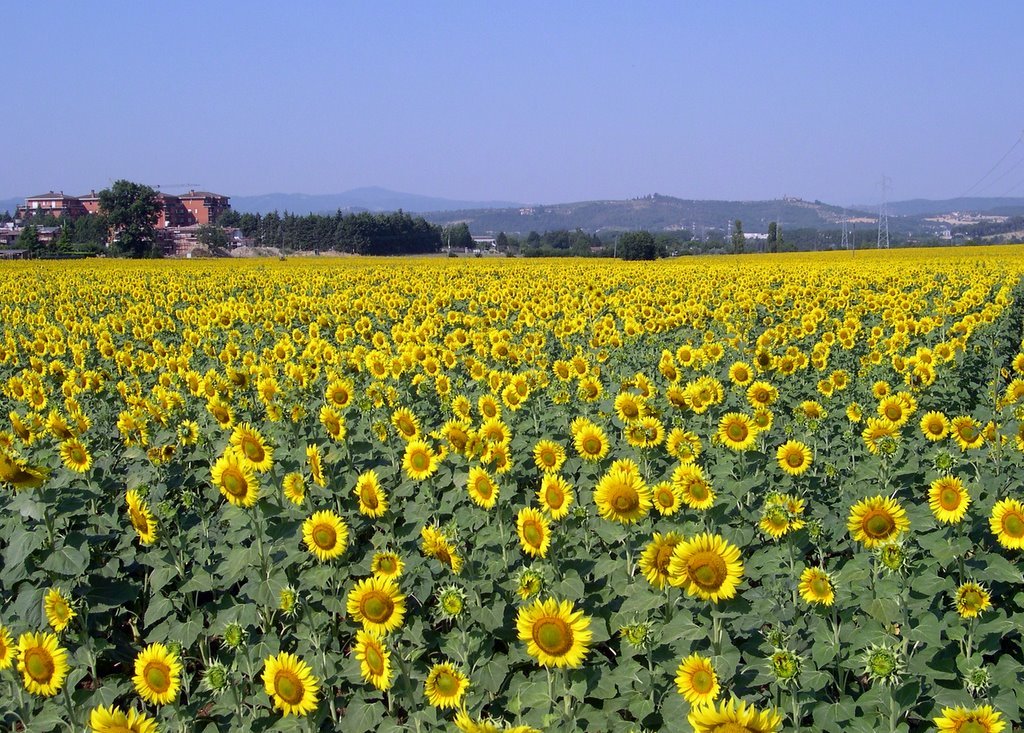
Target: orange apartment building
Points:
(194, 207)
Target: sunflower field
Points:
(711, 494)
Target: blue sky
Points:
(527, 101)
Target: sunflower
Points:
(655, 558)
(693, 486)
(734, 716)
(622, 496)
(934, 426)
(894, 409)
(877, 521)
(683, 444)
(437, 545)
(696, 680)
(406, 423)
(6, 648)
(967, 432)
(590, 442)
(316, 468)
(58, 609)
(481, 487)
(630, 407)
(251, 448)
(114, 720)
(555, 633)
(235, 480)
(736, 431)
(42, 663)
(972, 599)
(761, 394)
(445, 686)
(290, 684)
(325, 535)
(157, 674)
(141, 517)
(740, 373)
(75, 455)
(339, 393)
(377, 604)
(419, 460)
(555, 495)
(489, 407)
(948, 499)
(372, 501)
(374, 659)
(548, 455)
(706, 566)
(534, 532)
(666, 497)
(1007, 523)
(495, 431)
(18, 474)
(982, 719)
(877, 432)
(386, 564)
(295, 488)
(794, 457)
(816, 587)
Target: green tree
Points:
(501, 242)
(739, 240)
(132, 211)
(637, 246)
(212, 236)
(28, 239)
(773, 236)
(458, 236)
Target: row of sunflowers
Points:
(712, 494)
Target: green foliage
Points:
(132, 211)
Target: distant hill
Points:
(929, 207)
(10, 205)
(656, 213)
(358, 199)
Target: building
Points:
(195, 207)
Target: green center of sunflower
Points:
(969, 433)
(702, 681)
(737, 432)
(592, 445)
(893, 412)
(446, 683)
(78, 455)
(288, 686)
(533, 533)
(234, 482)
(707, 570)
(971, 599)
(665, 497)
(820, 587)
(935, 427)
(882, 664)
(324, 536)
(949, 498)
(483, 488)
(1013, 525)
(554, 497)
(368, 496)
(879, 524)
(252, 450)
(157, 676)
(377, 607)
(547, 457)
(387, 565)
(973, 726)
(730, 727)
(420, 461)
(664, 556)
(794, 459)
(699, 490)
(374, 660)
(60, 610)
(553, 636)
(39, 665)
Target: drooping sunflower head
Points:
(141, 517)
(294, 486)
(555, 495)
(948, 499)
(967, 432)
(251, 448)
(235, 480)
(707, 566)
(556, 634)
(374, 659)
(656, 556)
(325, 535)
(75, 455)
(877, 521)
(694, 489)
(622, 496)
(157, 674)
(481, 487)
(406, 423)
(666, 498)
(290, 684)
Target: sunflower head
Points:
(556, 634)
(290, 684)
(706, 566)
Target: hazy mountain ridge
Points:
(372, 198)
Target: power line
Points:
(883, 215)
(990, 170)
